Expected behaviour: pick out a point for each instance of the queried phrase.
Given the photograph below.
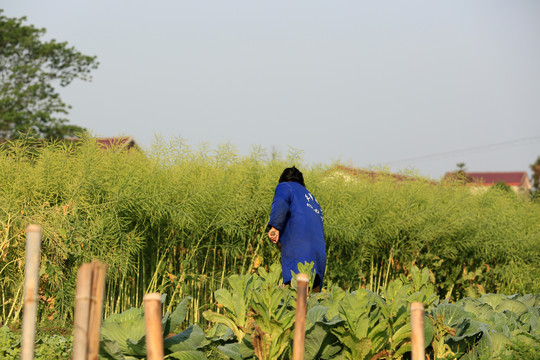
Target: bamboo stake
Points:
(417, 337)
(31, 280)
(83, 293)
(300, 320)
(154, 331)
(96, 308)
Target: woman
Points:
(296, 225)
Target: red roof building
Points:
(518, 180)
(123, 143)
(120, 143)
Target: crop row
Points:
(253, 318)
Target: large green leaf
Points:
(272, 304)
(530, 300)
(356, 315)
(222, 319)
(502, 322)
(360, 310)
(270, 278)
(127, 330)
(401, 334)
(190, 339)
(304, 268)
(393, 288)
(492, 344)
(110, 349)
(453, 315)
(333, 321)
(332, 351)
(429, 331)
(419, 278)
(188, 355)
(363, 347)
(315, 314)
(404, 348)
(492, 299)
(238, 351)
(177, 317)
(514, 306)
(527, 340)
(427, 297)
(314, 338)
(469, 328)
(378, 335)
(219, 332)
(332, 301)
(224, 297)
(240, 284)
(320, 343)
(479, 310)
(235, 302)
(531, 322)
(239, 308)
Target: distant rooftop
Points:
(510, 178)
(124, 142)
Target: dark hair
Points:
(292, 174)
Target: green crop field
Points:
(180, 221)
(253, 318)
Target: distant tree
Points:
(501, 185)
(460, 173)
(30, 69)
(461, 167)
(536, 174)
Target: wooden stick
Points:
(417, 337)
(300, 320)
(154, 331)
(96, 308)
(31, 283)
(83, 293)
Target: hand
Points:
(273, 234)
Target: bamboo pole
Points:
(83, 292)
(154, 331)
(31, 282)
(417, 337)
(300, 320)
(96, 308)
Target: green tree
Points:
(501, 185)
(460, 173)
(31, 69)
(536, 174)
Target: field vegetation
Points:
(180, 220)
(253, 319)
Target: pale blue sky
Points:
(368, 83)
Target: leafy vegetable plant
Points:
(123, 335)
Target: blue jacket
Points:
(298, 217)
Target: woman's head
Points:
(292, 174)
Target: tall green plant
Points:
(180, 220)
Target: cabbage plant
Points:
(123, 335)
